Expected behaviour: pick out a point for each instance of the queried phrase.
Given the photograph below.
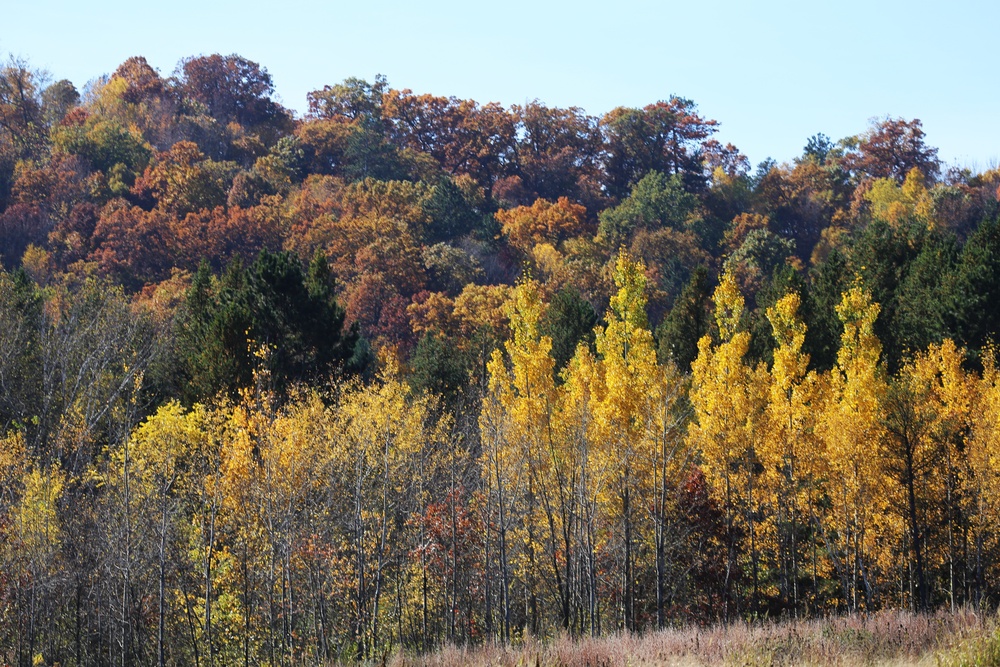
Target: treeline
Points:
(414, 370)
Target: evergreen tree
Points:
(569, 322)
(690, 318)
(272, 305)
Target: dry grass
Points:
(887, 638)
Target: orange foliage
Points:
(182, 180)
(543, 221)
(377, 307)
(432, 311)
(132, 243)
(740, 227)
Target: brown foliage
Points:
(463, 136)
(182, 180)
(375, 304)
(543, 221)
(132, 244)
(143, 82)
(20, 226)
(891, 148)
(56, 186)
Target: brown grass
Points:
(886, 638)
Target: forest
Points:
(409, 371)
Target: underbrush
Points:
(947, 639)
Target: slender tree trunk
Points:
(454, 552)
(127, 545)
(191, 628)
(504, 565)
(627, 590)
(246, 604)
(161, 597)
(208, 586)
(380, 561)
(752, 522)
(920, 601)
(361, 623)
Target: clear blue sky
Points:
(772, 73)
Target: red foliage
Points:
(75, 118)
(72, 237)
(891, 148)
(377, 307)
(451, 549)
(132, 244)
(463, 136)
(219, 235)
(20, 226)
(143, 81)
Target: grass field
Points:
(961, 638)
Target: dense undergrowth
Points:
(947, 639)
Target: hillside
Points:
(414, 371)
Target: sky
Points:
(772, 73)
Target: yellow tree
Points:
(794, 402)
(729, 401)
(147, 478)
(526, 466)
(926, 411)
(210, 557)
(384, 442)
(666, 457)
(502, 479)
(902, 204)
(635, 430)
(35, 548)
(581, 392)
(850, 427)
(956, 393)
(275, 469)
(534, 407)
(982, 480)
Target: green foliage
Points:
(353, 99)
(827, 283)
(928, 298)
(450, 269)
(569, 321)
(656, 201)
(107, 146)
(818, 147)
(290, 158)
(762, 252)
(368, 154)
(20, 321)
(451, 214)
(689, 319)
(659, 137)
(882, 256)
(272, 305)
(439, 365)
(58, 100)
(976, 287)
